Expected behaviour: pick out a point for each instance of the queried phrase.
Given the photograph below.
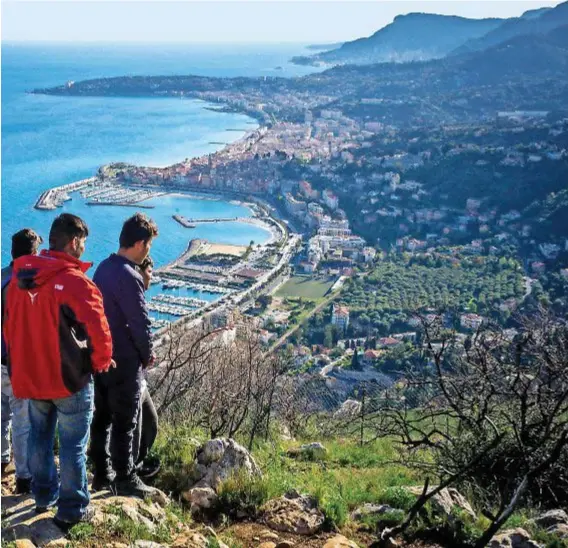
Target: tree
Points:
(328, 336)
(355, 365)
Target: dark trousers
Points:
(117, 404)
(146, 427)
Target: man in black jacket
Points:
(117, 394)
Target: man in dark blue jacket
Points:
(117, 394)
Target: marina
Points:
(183, 301)
(111, 194)
(179, 311)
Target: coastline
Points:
(108, 181)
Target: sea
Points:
(49, 141)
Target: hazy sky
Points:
(225, 21)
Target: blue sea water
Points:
(48, 141)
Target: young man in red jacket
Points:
(57, 336)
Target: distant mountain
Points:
(531, 22)
(319, 47)
(411, 37)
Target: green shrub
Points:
(81, 532)
(397, 497)
(242, 493)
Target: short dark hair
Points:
(66, 227)
(136, 228)
(25, 242)
(148, 261)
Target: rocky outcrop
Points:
(216, 461)
(515, 538)
(293, 513)
(21, 522)
(444, 502)
(555, 522)
(551, 518)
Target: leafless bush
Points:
(496, 417)
(220, 380)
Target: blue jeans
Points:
(73, 415)
(15, 411)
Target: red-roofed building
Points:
(388, 342)
(340, 316)
(307, 190)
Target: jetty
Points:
(183, 221)
(182, 301)
(57, 196)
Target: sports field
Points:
(305, 286)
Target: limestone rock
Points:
(552, 518)
(369, 509)
(560, 530)
(24, 543)
(58, 543)
(314, 450)
(293, 513)
(515, 538)
(268, 535)
(444, 502)
(201, 498)
(339, 541)
(147, 544)
(219, 459)
(309, 451)
(195, 540)
(159, 497)
(267, 544)
(348, 409)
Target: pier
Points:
(183, 301)
(57, 196)
(190, 223)
(183, 221)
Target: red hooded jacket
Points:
(55, 327)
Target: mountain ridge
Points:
(531, 22)
(410, 37)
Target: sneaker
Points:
(44, 509)
(131, 486)
(23, 486)
(148, 468)
(103, 481)
(87, 517)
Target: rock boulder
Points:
(219, 459)
(514, 538)
(293, 513)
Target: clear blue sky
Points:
(225, 21)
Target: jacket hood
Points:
(36, 270)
